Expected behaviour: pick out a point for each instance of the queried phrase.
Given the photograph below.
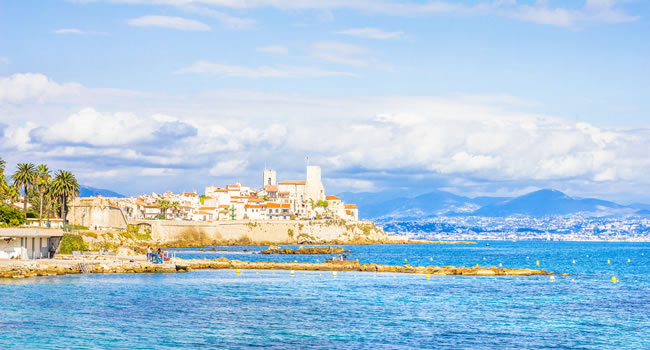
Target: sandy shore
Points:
(100, 264)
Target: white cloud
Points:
(89, 126)
(228, 21)
(229, 167)
(259, 72)
(29, 86)
(338, 52)
(482, 139)
(69, 31)
(172, 22)
(371, 33)
(603, 11)
(274, 49)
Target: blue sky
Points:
(480, 97)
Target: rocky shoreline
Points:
(302, 250)
(63, 267)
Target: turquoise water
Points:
(254, 309)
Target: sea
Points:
(223, 309)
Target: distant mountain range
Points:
(87, 191)
(387, 206)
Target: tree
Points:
(3, 179)
(163, 205)
(24, 176)
(174, 206)
(13, 193)
(65, 186)
(42, 182)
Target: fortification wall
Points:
(104, 216)
(260, 231)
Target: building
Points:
(29, 243)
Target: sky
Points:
(476, 97)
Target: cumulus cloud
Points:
(229, 167)
(283, 71)
(94, 128)
(33, 87)
(371, 33)
(171, 22)
(361, 142)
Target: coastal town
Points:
(273, 200)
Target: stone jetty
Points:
(274, 249)
(62, 267)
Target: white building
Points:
(29, 243)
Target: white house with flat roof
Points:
(29, 243)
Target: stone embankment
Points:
(274, 249)
(63, 267)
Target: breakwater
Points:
(62, 267)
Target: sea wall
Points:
(289, 231)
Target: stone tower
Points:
(314, 187)
(269, 178)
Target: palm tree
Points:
(13, 193)
(42, 182)
(24, 176)
(65, 186)
(163, 205)
(3, 179)
(174, 207)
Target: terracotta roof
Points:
(292, 182)
(224, 206)
(207, 208)
(252, 206)
(271, 188)
(204, 213)
(349, 212)
(255, 200)
(350, 206)
(332, 198)
(189, 194)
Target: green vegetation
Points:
(323, 204)
(71, 242)
(24, 177)
(134, 232)
(69, 228)
(10, 216)
(202, 198)
(290, 232)
(91, 234)
(159, 217)
(66, 187)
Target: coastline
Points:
(67, 265)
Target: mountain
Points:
(387, 206)
(87, 191)
(546, 202)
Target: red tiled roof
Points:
(292, 182)
(332, 198)
(350, 206)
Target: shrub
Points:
(11, 216)
(290, 232)
(71, 242)
(91, 234)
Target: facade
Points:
(29, 243)
(274, 200)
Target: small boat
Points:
(487, 244)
